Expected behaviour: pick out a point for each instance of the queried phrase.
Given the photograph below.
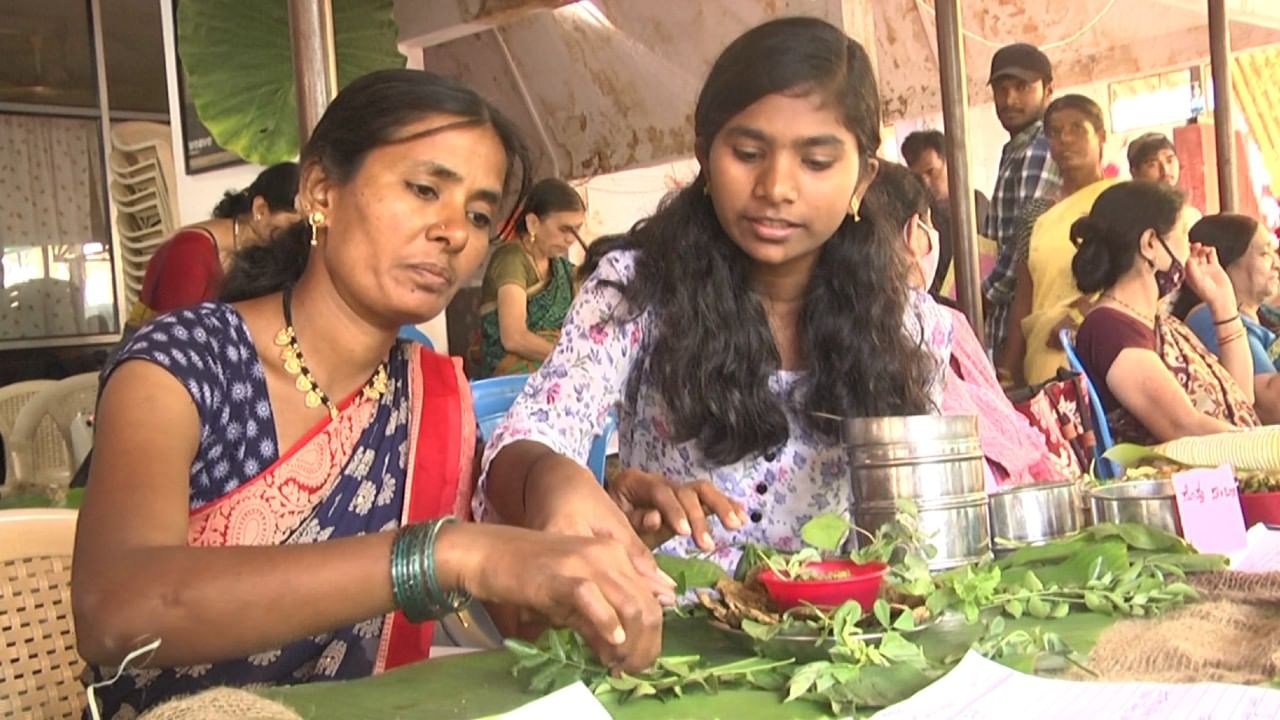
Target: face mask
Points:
(929, 261)
(1168, 281)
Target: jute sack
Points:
(1232, 636)
(219, 704)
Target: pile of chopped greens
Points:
(875, 659)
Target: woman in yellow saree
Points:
(1046, 298)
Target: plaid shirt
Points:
(1026, 172)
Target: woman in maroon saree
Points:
(278, 517)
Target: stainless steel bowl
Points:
(935, 461)
(922, 457)
(1034, 514)
(957, 527)
(1150, 502)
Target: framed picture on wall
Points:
(199, 150)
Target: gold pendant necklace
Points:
(295, 364)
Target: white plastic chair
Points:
(136, 142)
(40, 676)
(140, 235)
(133, 199)
(13, 398)
(37, 460)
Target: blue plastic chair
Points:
(1104, 469)
(411, 332)
(492, 397)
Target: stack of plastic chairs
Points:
(144, 187)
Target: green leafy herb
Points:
(560, 658)
(689, 572)
(826, 532)
(1113, 569)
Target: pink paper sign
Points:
(1209, 508)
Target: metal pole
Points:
(108, 204)
(529, 107)
(315, 65)
(955, 108)
(1223, 130)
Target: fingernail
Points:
(667, 600)
(683, 528)
(619, 636)
(705, 541)
(667, 578)
(733, 521)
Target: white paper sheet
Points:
(980, 689)
(572, 701)
(1262, 553)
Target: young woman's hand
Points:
(1210, 281)
(588, 584)
(659, 508)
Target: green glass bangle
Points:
(445, 603)
(400, 569)
(414, 585)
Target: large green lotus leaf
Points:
(239, 66)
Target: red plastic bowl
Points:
(862, 584)
(1260, 508)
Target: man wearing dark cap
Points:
(1151, 157)
(1022, 85)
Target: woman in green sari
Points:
(529, 284)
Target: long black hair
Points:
(1107, 238)
(1230, 234)
(277, 185)
(370, 112)
(901, 194)
(712, 352)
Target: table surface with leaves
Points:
(481, 685)
(1040, 609)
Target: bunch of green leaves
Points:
(689, 572)
(1029, 651)
(899, 543)
(560, 657)
(968, 589)
(1111, 568)
(844, 624)
(794, 566)
(858, 673)
(845, 687)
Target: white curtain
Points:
(49, 188)
(48, 180)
